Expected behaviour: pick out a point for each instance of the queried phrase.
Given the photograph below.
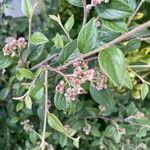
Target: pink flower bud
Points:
(21, 40)
(94, 2)
(70, 94)
(90, 74)
(60, 87)
(76, 63)
(80, 90)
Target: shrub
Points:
(67, 83)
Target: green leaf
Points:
(55, 123)
(133, 44)
(63, 140)
(117, 136)
(95, 131)
(131, 109)
(25, 73)
(69, 52)
(75, 2)
(61, 104)
(107, 35)
(142, 132)
(4, 93)
(147, 1)
(19, 106)
(144, 90)
(69, 23)
(38, 38)
(76, 142)
(33, 137)
(102, 97)
(116, 26)
(109, 131)
(115, 9)
(28, 102)
(112, 62)
(5, 61)
(36, 52)
(26, 7)
(132, 4)
(58, 41)
(87, 37)
(14, 120)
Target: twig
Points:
(111, 43)
(116, 120)
(91, 59)
(30, 27)
(50, 57)
(139, 66)
(144, 38)
(85, 12)
(59, 72)
(45, 109)
(132, 16)
(144, 81)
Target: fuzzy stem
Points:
(45, 109)
(30, 26)
(85, 12)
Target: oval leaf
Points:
(69, 23)
(5, 61)
(26, 7)
(38, 38)
(144, 91)
(87, 37)
(54, 122)
(75, 2)
(69, 52)
(115, 9)
(116, 26)
(102, 97)
(112, 62)
(28, 102)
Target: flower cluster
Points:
(95, 2)
(87, 129)
(142, 146)
(14, 45)
(26, 126)
(80, 75)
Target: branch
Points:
(111, 43)
(50, 57)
